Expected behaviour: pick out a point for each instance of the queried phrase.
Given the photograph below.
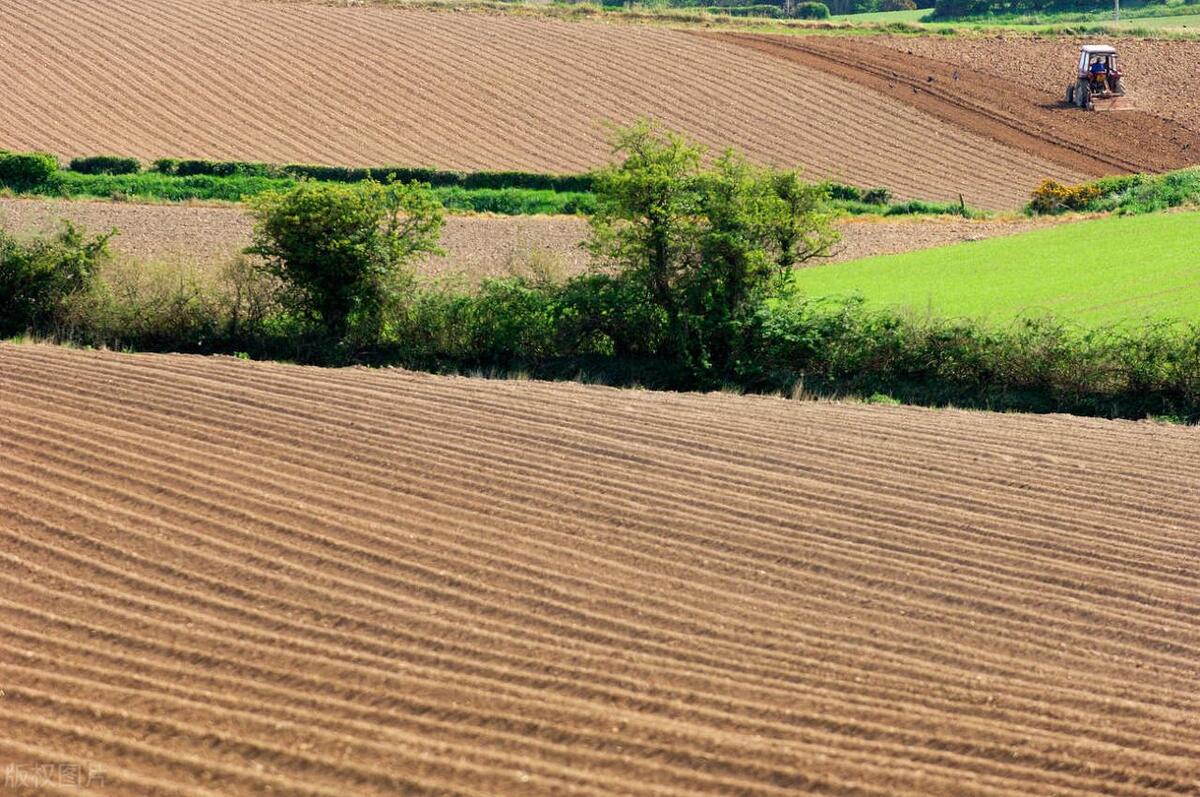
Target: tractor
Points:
(1098, 85)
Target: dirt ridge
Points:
(262, 578)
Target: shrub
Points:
(165, 165)
(24, 170)
(340, 252)
(811, 11)
(897, 5)
(1052, 196)
(105, 164)
(877, 196)
(38, 276)
(1130, 193)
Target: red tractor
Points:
(1098, 85)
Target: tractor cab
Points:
(1098, 85)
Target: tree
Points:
(38, 276)
(647, 219)
(705, 243)
(342, 251)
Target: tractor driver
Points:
(1098, 70)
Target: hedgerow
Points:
(402, 174)
(1133, 193)
(105, 164)
(510, 193)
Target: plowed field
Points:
(220, 577)
(361, 85)
(1155, 70)
(202, 239)
(206, 238)
(996, 103)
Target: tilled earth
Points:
(1018, 107)
(230, 578)
(1160, 75)
(360, 85)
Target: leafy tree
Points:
(647, 220)
(342, 251)
(705, 242)
(37, 276)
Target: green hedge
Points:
(812, 11)
(349, 174)
(105, 164)
(25, 170)
(850, 193)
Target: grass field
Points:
(1096, 272)
(1155, 16)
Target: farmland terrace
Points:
(243, 578)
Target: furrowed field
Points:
(482, 398)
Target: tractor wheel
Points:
(1071, 94)
(1085, 97)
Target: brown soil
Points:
(1001, 108)
(1159, 74)
(237, 578)
(201, 239)
(204, 238)
(362, 85)
(867, 237)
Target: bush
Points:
(37, 277)
(105, 164)
(24, 170)
(811, 11)
(897, 5)
(850, 193)
(190, 168)
(515, 201)
(1130, 193)
(877, 196)
(165, 165)
(340, 252)
(1052, 196)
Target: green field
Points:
(1147, 16)
(1113, 270)
(914, 15)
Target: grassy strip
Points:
(153, 186)
(1069, 13)
(1110, 271)
(157, 187)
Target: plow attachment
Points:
(1116, 103)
